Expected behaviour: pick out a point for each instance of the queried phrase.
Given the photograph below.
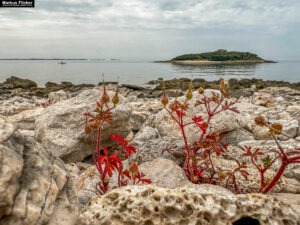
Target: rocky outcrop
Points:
(196, 204)
(61, 126)
(16, 82)
(34, 185)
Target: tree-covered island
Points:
(219, 56)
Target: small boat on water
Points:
(62, 63)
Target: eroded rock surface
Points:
(148, 204)
(34, 185)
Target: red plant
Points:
(199, 165)
(286, 158)
(104, 162)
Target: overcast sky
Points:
(150, 29)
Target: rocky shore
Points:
(47, 175)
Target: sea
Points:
(141, 72)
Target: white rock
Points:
(34, 185)
(164, 173)
(167, 147)
(263, 99)
(57, 96)
(145, 134)
(60, 128)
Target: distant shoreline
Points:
(44, 59)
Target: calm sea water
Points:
(139, 73)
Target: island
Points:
(220, 56)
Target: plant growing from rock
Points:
(199, 165)
(107, 163)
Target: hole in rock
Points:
(246, 221)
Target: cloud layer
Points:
(141, 27)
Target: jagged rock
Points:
(238, 135)
(57, 96)
(137, 119)
(17, 104)
(164, 173)
(61, 126)
(222, 122)
(34, 185)
(145, 134)
(194, 204)
(263, 99)
(167, 147)
(25, 120)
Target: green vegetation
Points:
(220, 55)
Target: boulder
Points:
(61, 126)
(35, 187)
(137, 119)
(57, 96)
(166, 147)
(144, 135)
(195, 204)
(16, 104)
(236, 136)
(222, 122)
(290, 130)
(25, 120)
(164, 173)
(16, 82)
(263, 99)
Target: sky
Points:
(150, 29)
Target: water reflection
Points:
(217, 70)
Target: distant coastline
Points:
(41, 59)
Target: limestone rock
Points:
(137, 119)
(17, 104)
(57, 96)
(263, 99)
(290, 129)
(292, 199)
(238, 135)
(167, 147)
(150, 204)
(145, 134)
(34, 185)
(164, 173)
(25, 120)
(222, 122)
(87, 181)
(61, 126)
